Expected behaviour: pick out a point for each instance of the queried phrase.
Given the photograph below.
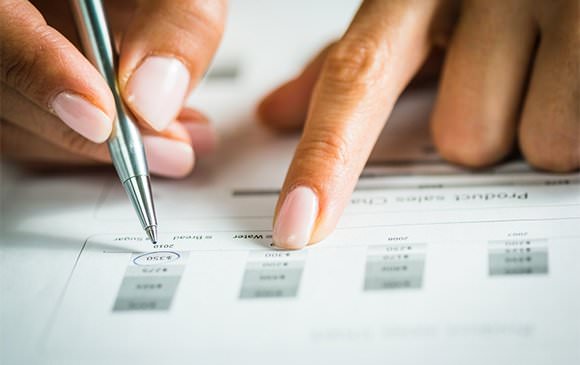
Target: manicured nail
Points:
(82, 116)
(168, 157)
(157, 89)
(203, 137)
(296, 218)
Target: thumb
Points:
(42, 65)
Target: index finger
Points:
(360, 81)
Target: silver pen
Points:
(125, 144)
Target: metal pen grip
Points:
(125, 144)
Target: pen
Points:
(125, 144)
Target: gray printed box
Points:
(139, 304)
(150, 281)
(148, 286)
(268, 278)
(268, 292)
(387, 283)
(157, 270)
(272, 274)
(398, 266)
(395, 268)
(407, 248)
(513, 264)
(275, 265)
(396, 257)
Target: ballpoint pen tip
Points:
(152, 233)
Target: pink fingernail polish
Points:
(157, 90)
(82, 116)
(168, 157)
(296, 219)
(203, 137)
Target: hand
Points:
(56, 107)
(511, 75)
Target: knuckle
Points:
(204, 19)
(356, 60)
(212, 14)
(566, 9)
(324, 149)
(551, 154)
(17, 68)
(470, 149)
(24, 65)
(558, 14)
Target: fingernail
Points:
(203, 137)
(168, 157)
(82, 116)
(157, 89)
(296, 218)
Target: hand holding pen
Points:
(58, 109)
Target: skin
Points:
(40, 57)
(510, 78)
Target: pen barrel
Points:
(125, 143)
